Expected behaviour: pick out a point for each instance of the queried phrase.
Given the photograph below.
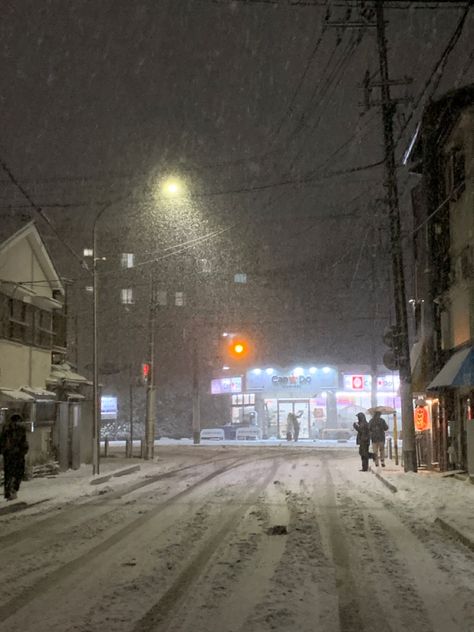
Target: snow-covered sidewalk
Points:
(439, 497)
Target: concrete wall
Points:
(23, 366)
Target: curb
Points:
(383, 480)
(455, 533)
(107, 477)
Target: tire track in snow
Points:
(47, 582)
(160, 615)
(354, 611)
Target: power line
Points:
(438, 69)
(38, 209)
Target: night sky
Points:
(258, 105)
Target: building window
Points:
(179, 299)
(126, 296)
(88, 252)
(240, 277)
(20, 326)
(89, 289)
(161, 297)
(43, 329)
(128, 259)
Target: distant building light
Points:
(128, 260)
(326, 369)
(269, 371)
(257, 371)
(179, 299)
(88, 252)
(225, 334)
(241, 277)
(89, 289)
(324, 394)
(226, 368)
(298, 371)
(313, 370)
(126, 296)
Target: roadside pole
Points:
(150, 419)
(388, 109)
(196, 395)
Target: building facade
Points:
(34, 378)
(443, 306)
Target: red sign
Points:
(357, 382)
(422, 418)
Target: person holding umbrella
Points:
(377, 429)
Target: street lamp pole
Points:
(96, 417)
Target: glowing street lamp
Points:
(172, 187)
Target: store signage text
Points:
(291, 380)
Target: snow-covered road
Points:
(227, 540)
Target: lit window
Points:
(179, 299)
(241, 277)
(127, 259)
(88, 252)
(89, 289)
(127, 296)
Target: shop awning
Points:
(15, 395)
(39, 394)
(457, 372)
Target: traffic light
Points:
(237, 350)
(146, 373)
(391, 338)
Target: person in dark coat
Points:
(361, 426)
(13, 446)
(377, 429)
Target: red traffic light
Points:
(146, 370)
(238, 349)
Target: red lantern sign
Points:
(422, 418)
(357, 382)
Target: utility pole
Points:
(130, 403)
(388, 109)
(150, 419)
(196, 394)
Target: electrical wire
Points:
(39, 210)
(438, 69)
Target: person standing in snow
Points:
(13, 446)
(361, 426)
(377, 428)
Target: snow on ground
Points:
(224, 538)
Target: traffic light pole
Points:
(150, 419)
(388, 106)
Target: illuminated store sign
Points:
(225, 385)
(385, 383)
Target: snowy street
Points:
(226, 539)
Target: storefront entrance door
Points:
(286, 406)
